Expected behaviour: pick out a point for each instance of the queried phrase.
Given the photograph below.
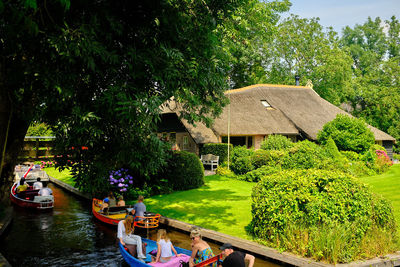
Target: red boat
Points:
(113, 215)
(110, 216)
(31, 199)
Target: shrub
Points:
(382, 162)
(332, 150)
(224, 171)
(276, 142)
(185, 171)
(348, 133)
(257, 174)
(351, 155)
(304, 155)
(220, 150)
(260, 158)
(242, 165)
(302, 202)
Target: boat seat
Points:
(117, 209)
(28, 194)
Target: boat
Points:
(152, 245)
(113, 215)
(31, 199)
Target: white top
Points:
(37, 185)
(166, 250)
(121, 233)
(45, 192)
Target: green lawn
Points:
(388, 185)
(63, 176)
(222, 204)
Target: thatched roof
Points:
(294, 110)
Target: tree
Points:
(97, 72)
(246, 40)
(374, 47)
(349, 134)
(301, 47)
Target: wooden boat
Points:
(31, 199)
(113, 215)
(151, 245)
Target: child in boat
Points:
(105, 204)
(121, 201)
(164, 248)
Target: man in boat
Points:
(140, 208)
(235, 258)
(45, 191)
(38, 184)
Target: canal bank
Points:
(5, 221)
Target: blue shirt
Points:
(139, 208)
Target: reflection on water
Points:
(69, 236)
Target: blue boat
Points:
(151, 245)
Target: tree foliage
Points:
(348, 133)
(97, 71)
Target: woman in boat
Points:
(201, 251)
(121, 201)
(23, 186)
(164, 247)
(126, 236)
(111, 198)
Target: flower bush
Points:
(383, 161)
(120, 179)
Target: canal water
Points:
(70, 236)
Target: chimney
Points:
(297, 78)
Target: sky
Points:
(340, 13)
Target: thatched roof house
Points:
(257, 111)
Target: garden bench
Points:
(210, 159)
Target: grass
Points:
(63, 176)
(388, 185)
(222, 204)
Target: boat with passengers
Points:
(151, 246)
(31, 198)
(112, 215)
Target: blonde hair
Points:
(162, 234)
(128, 223)
(195, 232)
(121, 197)
(140, 198)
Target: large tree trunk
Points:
(12, 132)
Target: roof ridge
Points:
(264, 84)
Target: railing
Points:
(37, 148)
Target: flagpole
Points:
(229, 126)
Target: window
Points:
(265, 103)
(185, 143)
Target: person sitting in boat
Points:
(139, 208)
(126, 236)
(112, 202)
(105, 204)
(121, 201)
(201, 251)
(45, 191)
(23, 186)
(164, 248)
(235, 258)
(38, 184)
